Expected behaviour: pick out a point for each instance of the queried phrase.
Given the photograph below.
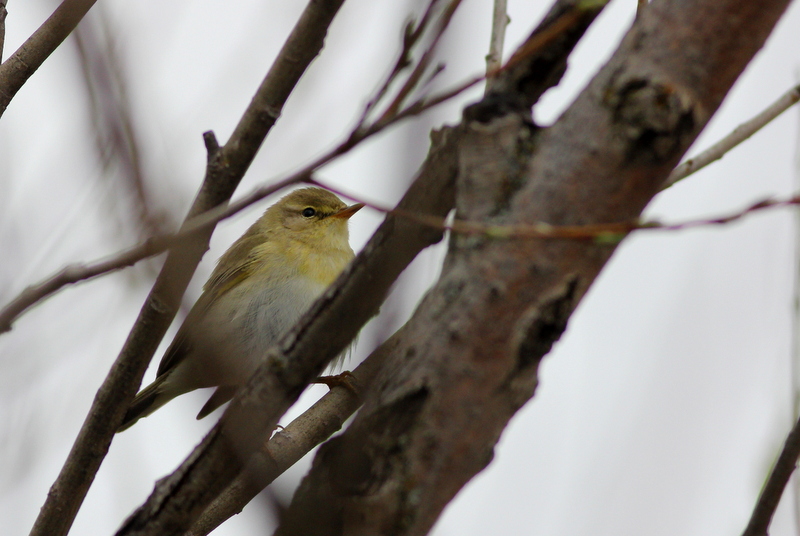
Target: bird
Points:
(259, 289)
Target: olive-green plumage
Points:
(261, 286)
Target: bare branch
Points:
(776, 482)
(3, 14)
(419, 70)
(739, 134)
(522, 81)
(16, 70)
(536, 65)
(411, 37)
(224, 171)
(494, 59)
(286, 447)
(116, 131)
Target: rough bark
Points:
(469, 359)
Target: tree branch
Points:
(739, 134)
(776, 482)
(3, 14)
(117, 135)
(224, 171)
(494, 59)
(288, 446)
(470, 356)
(16, 70)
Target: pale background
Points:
(660, 410)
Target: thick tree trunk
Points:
(469, 357)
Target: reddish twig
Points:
(604, 232)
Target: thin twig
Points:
(16, 70)
(117, 136)
(411, 36)
(494, 59)
(606, 232)
(533, 45)
(3, 14)
(774, 486)
(739, 134)
(416, 74)
(795, 360)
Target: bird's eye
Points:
(309, 212)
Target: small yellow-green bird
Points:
(259, 289)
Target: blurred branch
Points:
(739, 134)
(494, 59)
(16, 70)
(774, 486)
(3, 14)
(224, 171)
(116, 132)
(329, 326)
(296, 440)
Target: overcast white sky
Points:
(660, 410)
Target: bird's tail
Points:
(146, 402)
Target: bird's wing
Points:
(236, 264)
(233, 267)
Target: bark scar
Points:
(653, 116)
(543, 324)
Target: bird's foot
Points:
(345, 379)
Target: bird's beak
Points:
(348, 211)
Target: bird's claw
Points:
(345, 379)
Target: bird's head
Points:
(312, 215)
